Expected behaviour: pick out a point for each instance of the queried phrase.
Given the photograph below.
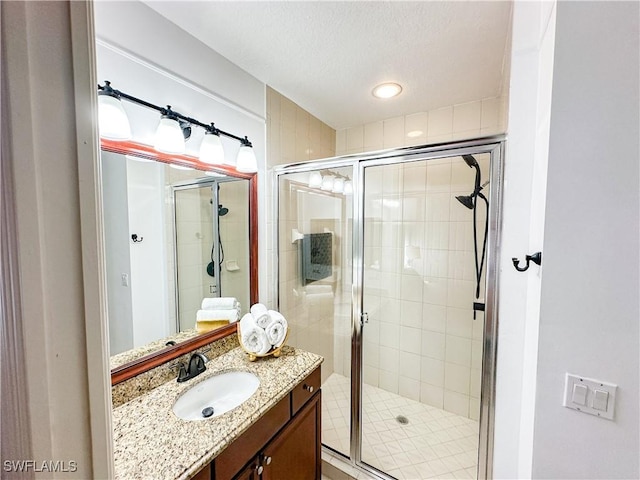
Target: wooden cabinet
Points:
(295, 452)
(284, 444)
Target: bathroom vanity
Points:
(275, 434)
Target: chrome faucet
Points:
(195, 367)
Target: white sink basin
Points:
(222, 392)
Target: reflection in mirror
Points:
(161, 257)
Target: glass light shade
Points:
(112, 119)
(315, 180)
(348, 187)
(169, 137)
(246, 161)
(338, 185)
(327, 183)
(211, 150)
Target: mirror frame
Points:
(147, 362)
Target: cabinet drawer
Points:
(305, 390)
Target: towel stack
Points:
(216, 312)
(261, 330)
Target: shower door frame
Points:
(215, 196)
(494, 146)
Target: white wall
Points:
(146, 202)
(589, 311)
(116, 246)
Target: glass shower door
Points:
(314, 284)
(421, 346)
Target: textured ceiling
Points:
(327, 56)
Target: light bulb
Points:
(338, 185)
(348, 187)
(169, 137)
(113, 120)
(315, 180)
(211, 150)
(246, 160)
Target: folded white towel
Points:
(231, 315)
(220, 303)
(260, 315)
(254, 339)
(277, 330)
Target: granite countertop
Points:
(135, 353)
(150, 441)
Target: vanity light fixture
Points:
(315, 180)
(386, 90)
(348, 187)
(114, 123)
(327, 183)
(211, 150)
(246, 160)
(173, 129)
(170, 136)
(338, 185)
(330, 181)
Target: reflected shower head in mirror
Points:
(470, 160)
(222, 211)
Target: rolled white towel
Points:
(231, 315)
(260, 315)
(220, 303)
(277, 329)
(254, 339)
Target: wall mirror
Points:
(176, 231)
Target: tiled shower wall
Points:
(457, 122)
(234, 231)
(421, 340)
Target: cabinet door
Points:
(295, 453)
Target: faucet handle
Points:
(183, 375)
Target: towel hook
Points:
(135, 238)
(535, 258)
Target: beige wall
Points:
(293, 135)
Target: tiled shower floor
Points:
(434, 444)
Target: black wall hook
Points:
(535, 258)
(135, 238)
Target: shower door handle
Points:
(364, 318)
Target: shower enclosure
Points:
(387, 269)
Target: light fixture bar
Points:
(164, 111)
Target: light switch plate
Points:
(575, 383)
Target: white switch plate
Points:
(592, 385)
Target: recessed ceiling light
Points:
(387, 90)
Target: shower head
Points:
(470, 160)
(222, 211)
(466, 200)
